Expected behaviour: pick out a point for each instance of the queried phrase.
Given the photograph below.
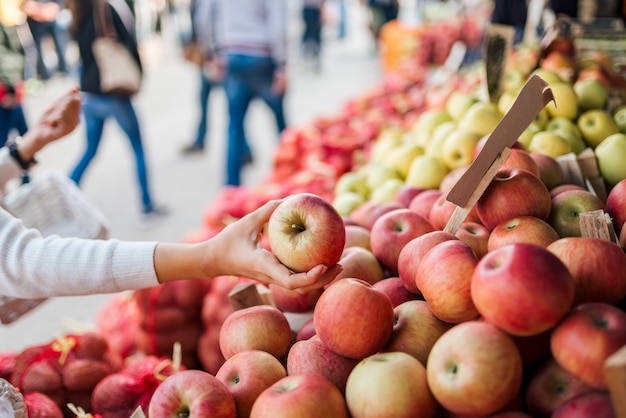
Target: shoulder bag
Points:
(120, 74)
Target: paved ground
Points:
(168, 111)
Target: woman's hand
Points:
(60, 119)
(237, 251)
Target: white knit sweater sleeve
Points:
(32, 266)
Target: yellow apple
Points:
(611, 156)
(376, 173)
(481, 118)
(386, 192)
(459, 102)
(548, 76)
(506, 100)
(346, 202)
(566, 101)
(426, 171)
(386, 141)
(528, 133)
(426, 123)
(549, 143)
(438, 138)
(402, 156)
(458, 148)
(592, 94)
(352, 181)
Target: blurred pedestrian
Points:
(98, 107)
(14, 69)
(247, 43)
(312, 17)
(381, 12)
(511, 13)
(209, 78)
(42, 21)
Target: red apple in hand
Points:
(596, 278)
(353, 319)
(261, 327)
(308, 395)
(247, 374)
(550, 386)
(389, 384)
(586, 337)
(474, 369)
(193, 393)
(392, 231)
(443, 277)
(523, 289)
(513, 193)
(305, 231)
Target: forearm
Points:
(33, 266)
(177, 261)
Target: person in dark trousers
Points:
(247, 39)
(312, 15)
(511, 13)
(42, 21)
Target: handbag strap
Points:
(103, 18)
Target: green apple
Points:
(458, 148)
(426, 171)
(619, 114)
(438, 138)
(565, 101)
(402, 156)
(611, 156)
(346, 202)
(595, 125)
(568, 129)
(426, 123)
(592, 94)
(481, 118)
(549, 143)
(354, 182)
(459, 102)
(387, 191)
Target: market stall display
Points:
(474, 308)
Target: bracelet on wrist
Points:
(15, 154)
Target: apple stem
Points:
(299, 227)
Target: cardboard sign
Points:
(533, 97)
(497, 47)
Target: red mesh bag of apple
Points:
(119, 394)
(216, 307)
(39, 405)
(7, 363)
(168, 314)
(66, 369)
(118, 322)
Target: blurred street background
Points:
(168, 111)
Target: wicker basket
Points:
(53, 204)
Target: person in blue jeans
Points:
(246, 78)
(99, 106)
(247, 41)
